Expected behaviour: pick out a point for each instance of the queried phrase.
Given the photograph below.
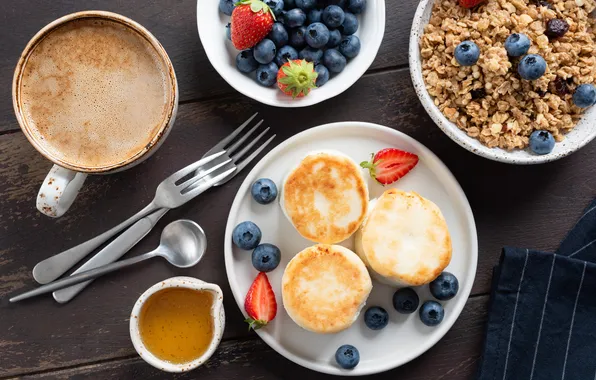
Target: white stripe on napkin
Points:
(572, 319)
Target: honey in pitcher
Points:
(176, 324)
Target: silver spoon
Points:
(182, 243)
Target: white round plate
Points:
(222, 55)
(582, 134)
(405, 337)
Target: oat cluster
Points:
(489, 100)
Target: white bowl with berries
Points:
(522, 97)
(291, 53)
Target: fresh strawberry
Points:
(296, 78)
(251, 21)
(260, 304)
(390, 164)
(469, 3)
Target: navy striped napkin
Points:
(542, 311)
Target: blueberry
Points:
(229, 31)
(517, 44)
(311, 55)
(556, 28)
(405, 301)
(444, 287)
(356, 6)
(284, 54)
(350, 24)
(531, 67)
(333, 16)
(245, 61)
(226, 6)
(264, 51)
(584, 95)
(246, 235)
(264, 190)
(334, 61)
(267, 74)
(289, 4)
(295, 17)
(314, 15)
(339, 3)
(349, 46)
(317, 35)
(297, 37)
(376, 318)
(347, 356)
(305, 5)
(431, 313)
(266, 257)
(279, 35)
(467, 53)
(334, 38)
(542, 142)
(276, 6)
(323, 76)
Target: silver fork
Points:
(173, 192)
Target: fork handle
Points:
(55, 266)
(112, 252)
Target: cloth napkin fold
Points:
(542, 311)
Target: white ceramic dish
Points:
(222, 55)
(217, 313)
(582, 134)
(405, 337)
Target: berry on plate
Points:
(469, 3)
(323, 76)
(246, 235)
(350, 24)
(334, 60)
(264, 191)
(260, 304)
(295, 18)
(542, 142)
(229, 31)
(266, 257)
(356, 6)
(276, 6)
(305, 5)
(245, 61)
(311, 55)
(444, 287)
(517, 44)
(405, 300)
(347, 356)
(265, 51)
(266, 74)
(334, 38)
(285, 54)
(467, 53)
(584, 95)
(297, 37)
(251, 21)
(279, 35)
(390, 164)
(431, 313)
(376, 318)
(314, 15)
(226, 6)
(531, 67)
(333, 16)
(317, 35)
(296, 78)
(349, 46)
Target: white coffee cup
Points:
(65, 179)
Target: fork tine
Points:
(244, 150)
(208, 184)
(254, 154)
(241, 141)
(194, 166)
(221, 145)
(202, 173)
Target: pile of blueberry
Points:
(532, 67)
(319, 31)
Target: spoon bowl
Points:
(183, 243)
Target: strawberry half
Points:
(260, 304)
(251, 21)
(390, 164)
(470, 3)
(296, 78)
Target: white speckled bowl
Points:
(582, 134)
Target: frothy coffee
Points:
(95, 93)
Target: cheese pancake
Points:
(325, 197)
(324, 287)
(404, 240)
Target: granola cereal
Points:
(489, 100)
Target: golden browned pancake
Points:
(324, 287)
(404, 240)
(325, 197)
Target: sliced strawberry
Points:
(470, 3)
(390, 164)
(260, 304)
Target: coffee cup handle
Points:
(59, 190)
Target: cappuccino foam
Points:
(95, 93)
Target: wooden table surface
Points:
(530, 206)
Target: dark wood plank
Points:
(517, 205)
(454, 357)
(174, 24)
